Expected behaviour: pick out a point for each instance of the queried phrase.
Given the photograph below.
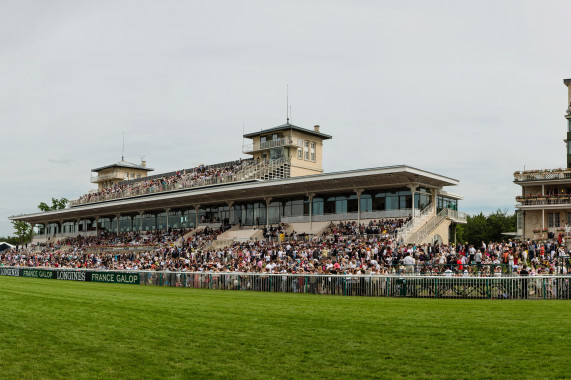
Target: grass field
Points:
(63, 329)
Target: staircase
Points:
(404, 233)
(438, 224)
(265, 170)
(422, 233)
(193, 232)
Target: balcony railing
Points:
(106, 177)
(544, 200)
(542, 175)
(457, 216)
(159, 188)
(281, 142)
(404, 213)
(263, 170)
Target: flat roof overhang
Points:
(544, 182)
(377, 178)
(284, 127)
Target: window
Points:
(132, 175)
(306, 150)
(299, 153)
(379, 202)
(553, 219)
(312, 151)
(366, 202)
(391, 201)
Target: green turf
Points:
(61, 329)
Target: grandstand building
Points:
(544, 206)
(282, 182)
(111, 175)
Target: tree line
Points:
(487, 228)
(23, 232)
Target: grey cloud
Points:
(426, 84)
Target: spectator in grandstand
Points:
(178, 250)
(197, 176)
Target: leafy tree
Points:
(486, 228)
(23, 230)
(478, 229)
(499, 222)
(57, 204)
(10, 240)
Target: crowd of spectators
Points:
(340, 251)
(384, 227)
(200, 175)
(274, 232)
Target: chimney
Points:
(144, 163)
(316, 128)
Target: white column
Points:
(230, 211)
(413, 187)
(434, 201)
(167, 210)
(310, 196)
(268, 200)
(196, 208)
(542, 219)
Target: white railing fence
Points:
(515, 287)
(390, 214)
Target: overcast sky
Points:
(472, 90)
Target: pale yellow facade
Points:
(544, 220)
(111, 175)
(544, 204)
(304, 150)
(543, 208)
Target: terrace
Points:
(235, 171)
(543, 200)
(280, 142)
(542, 175)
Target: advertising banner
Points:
(74, 275)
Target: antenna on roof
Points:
(123, 148)
(287, 103)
